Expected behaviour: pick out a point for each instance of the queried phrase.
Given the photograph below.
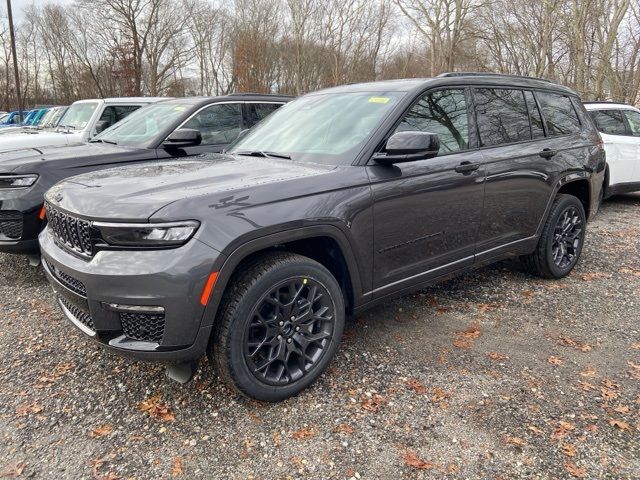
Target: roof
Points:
(239, 97)
(456, 78)
(125, 100)
(604, 105)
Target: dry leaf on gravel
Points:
(515, 441)
(32, 408)
(344, 428)
(411, 459)
(554, 360)
(464, 340)
(535, 430)
(416, 386)
(589, 371)
(588, 277)
(622, 425)
(374, 403)
(586, 386)
(497, 356)
(574, 470)
(304, 433)
(102, 431)
(570, 342)
(177, 469)
(13, 471)
(568, 449)
(622, 409)
(562, 430)
(157, 409)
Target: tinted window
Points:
(537, 130)
(257, 111)
(609, 121)
(443, 112)
(559, 114)
(633, 118)
(218, 124)
(502, 116)
(115, 113)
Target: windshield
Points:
(143, 125)
(324, 128)
(78, 115)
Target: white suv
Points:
(619, 126)
(83, 120)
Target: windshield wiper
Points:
(100, 140)
(265, 154)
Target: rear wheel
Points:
(279, 326)
(562, 239)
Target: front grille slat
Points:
(11, 224)
(74, 233)
(67, 280)
(80, 315)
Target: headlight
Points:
(17, 181)
(147, 234)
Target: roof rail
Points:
(238, 94)
(606, 101)
(491, 74)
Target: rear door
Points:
(620, 145)
(633, 123)
(517, 189)
(426, 212)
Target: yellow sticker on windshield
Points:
(379, 100)
(179, 109)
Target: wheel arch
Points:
(326, 244)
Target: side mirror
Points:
(184, 137)
(408, 147)
(102, 125)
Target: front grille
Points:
(10, 224)
(146, 327)
(80, 315)
(68, 281)
(72, 232)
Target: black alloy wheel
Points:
(567, 238)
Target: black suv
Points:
(174, 128)
(341, 199)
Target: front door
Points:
(426, 212)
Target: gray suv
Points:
(341, 199)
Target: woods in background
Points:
(105, 48)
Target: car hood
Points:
(135, 193)
(26, 139)
(31, 160)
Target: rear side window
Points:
(115, 113)
(610, 122)
(559, 114)
(633, 118)
(537, 130)
(257, 111)
(443, 112)
(502, 116)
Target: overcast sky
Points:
(18, 5)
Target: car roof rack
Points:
(606, 101)
(253, 94)
(491, 74)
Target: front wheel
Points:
(279, 326)
(562, 239)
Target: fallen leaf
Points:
(568, 449)
(554, 360)
(535, 430)
(13, 471)
(588, 372)
(411, 459)
(622, 425)
(574, 470)
(586, 386)
(102, 431)
(304, 433)
(177, 470)
(344, 428)
(635, 346)
(416, 386)
(32, 408)
(588, 277)
(374, 403)
(157, 409)
(497, 356)
(464, 340)
(562, 430)
(516, 441)
(622, 409)
(608, 394)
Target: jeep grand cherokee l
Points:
(341, 199)
(173, 128)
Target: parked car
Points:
(168, 129)
(12, 119)
(341, 199)
(82, 121)
(619, 127)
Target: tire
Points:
(544, 261)
(266, 319)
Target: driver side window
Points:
(443, 112)
(219, 124)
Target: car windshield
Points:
(143, 125)
(324, 128)
(78, 115)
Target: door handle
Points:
(548, 153)
(467, 167)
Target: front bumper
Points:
(20, 222)
(142, 304)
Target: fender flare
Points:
(226, 264)
(562, 181)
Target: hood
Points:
(135, 193)
(32, 160)
(37, 138)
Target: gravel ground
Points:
(494, 375)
